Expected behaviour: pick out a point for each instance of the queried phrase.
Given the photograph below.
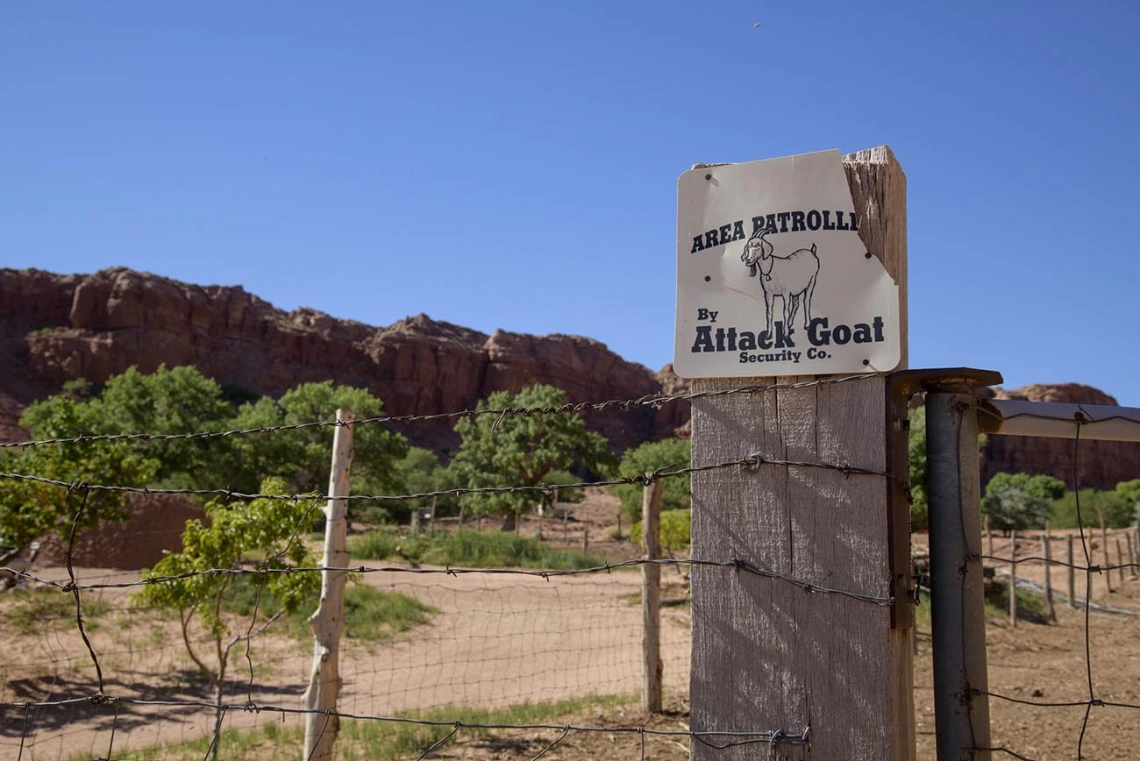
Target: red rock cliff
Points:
(54, 328)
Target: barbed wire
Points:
(1082, 418)
(1052, 561)
(751, 462)
(718, 739)
(735, 563)
(649, 400)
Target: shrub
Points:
(675, 492)
(676, 530)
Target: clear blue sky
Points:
(514, 165)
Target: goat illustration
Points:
(791, 277)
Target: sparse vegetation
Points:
(372, 740)
(676, 530)
(370, 614)
(469, 549)
(39, 608)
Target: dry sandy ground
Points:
(500, 640)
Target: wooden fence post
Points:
(1131, 555)
(989, 538)
(1013, 578)
(651, 598)
(1072, 571)
(321, 728)
(1048, 563)
(1104, 551)
(1120, 560)
(764, 652)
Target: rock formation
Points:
(1101, 464)
(55, 328)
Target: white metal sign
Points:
(772, 278)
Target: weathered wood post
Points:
(989, 538)
(1047, 562)
(1072, 571)
(770, 654)
(320, 697)
(651, 697)
(1131, 555)
(1013, 578)
(1104, 552)
(1120, 560)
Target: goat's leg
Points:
(768, 312)
(790, 320)
(808, 293)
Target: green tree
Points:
(1115, 506)
(267, 526)
(417, 472)
(1041, 487)
(522, 450)
(301, 456)
(31, 510)
(1129, 492)
(167, 401)
(1011, 506)
(916, 449)
(651, 456)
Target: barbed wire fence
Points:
(104, 677)
(1097, 697)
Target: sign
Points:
(772, 278)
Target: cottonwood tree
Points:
(651, 456)
(30, 510)
(301, 456)
(522, 450)
(270, 527)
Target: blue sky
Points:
(514, 164)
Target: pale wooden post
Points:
(989, 538)
(1072, 571)
(1131, 555)
(320, 697)
(1046, 552)
(651, 598)
(1104, 551)
(1013, 578)
(766, 655)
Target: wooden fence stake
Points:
(651, 598)
(586, 539)
(758, 642)
(1013, 578)
(1131, 555)
(1046, 553)
(1120, 560)
(989, 538)
(1072, 571)
(321, 727)
(1104, 548)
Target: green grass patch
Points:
(371, 614)
(37, 608)
(1030, 607)
(371, 740)
(469, 549)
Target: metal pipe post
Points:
(961, 706)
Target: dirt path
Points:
(500, 640)
(497, 640)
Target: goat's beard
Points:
(753, 268)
